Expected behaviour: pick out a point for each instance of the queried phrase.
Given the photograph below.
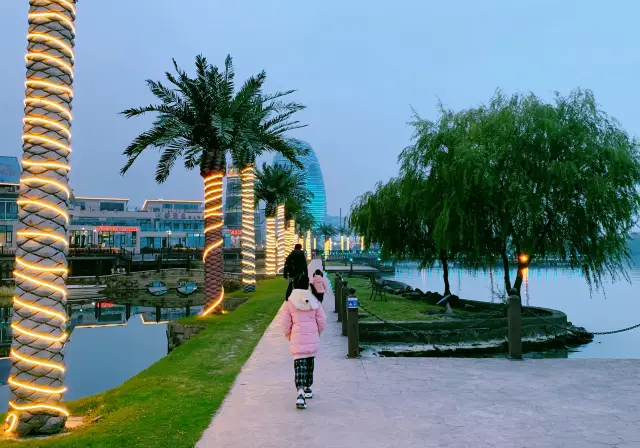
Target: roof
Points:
(91, 198)
(173, 201)
(9, 170)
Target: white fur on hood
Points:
(304, 300)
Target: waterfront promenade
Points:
(428, 402)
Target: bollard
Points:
(127, 311)
(187, 310)
(158, 313)
(343, 306)
(514, 312)
(337, 290)
(353, 334)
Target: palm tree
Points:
(305, 223)
(39, 320)
(268, 121)
(201, 120)
(328, 231)
(274, 184)
(343, 231)
(294, 209)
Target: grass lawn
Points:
(172, 402)
(396, 308)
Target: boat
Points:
(186, 288)
(157, 288)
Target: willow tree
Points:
(559, 179)
(267, 122)
(275, 184)
(39, 321)
(201, 120)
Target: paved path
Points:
(428, 402)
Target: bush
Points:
(231, 285)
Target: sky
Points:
(359, 67)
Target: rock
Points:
(412, 295)
(418, 291)
(469, 307)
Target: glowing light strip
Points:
(19, 329)
(43, 164)
(44, 390)
(60, 316)
(40, 283)
(212, 192)
(26, 180)
(50, 141)
(65, 19)
(45, 205)
(34, 55)
(213, 227)
(51, 85)
(270, 258)
(280, 240)
(37, 99)
(248, 224)
(53, 236)
(50, 123)
(39, 406)
(213, 307)
(213, 246)
(37, 362)
(12, 421)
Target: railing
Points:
(93, 251)
(7, 251)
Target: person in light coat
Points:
(303, 320)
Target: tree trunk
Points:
(248, 230)
(522, 267)
(308, 245)
(505, 266)
(40, 317)
(280, 240)
(445, 272)
(270, 252)
(212, 255)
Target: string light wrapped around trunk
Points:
(212, 255)
(248, 230)
(270, 252)
(280, 240)
(308, 245)
(39, 321)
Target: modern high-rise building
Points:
(314, 180)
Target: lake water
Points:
(102, 357)
(615, 306)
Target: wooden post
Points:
(343, 307)
(158, 313)
(158, 262)
(187, 309)
(514, 314)
(127, 311)
(353, 334)
(339, 288)
(336, 290)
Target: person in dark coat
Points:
(295, 266)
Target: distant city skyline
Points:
(358, 66)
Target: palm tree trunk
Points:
(280, 236)
(308, 245)
(270, 255)
(212, 256)
(40, 320)
(248, 230)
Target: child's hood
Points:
(303, 300)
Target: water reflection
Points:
(615, 306)
(100, 357)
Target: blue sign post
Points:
(353, 333)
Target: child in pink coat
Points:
(303, 321)
(319, 285)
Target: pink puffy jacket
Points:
(320, 283)
(303, 320)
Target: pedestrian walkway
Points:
(427, 402)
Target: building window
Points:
(112, 206)
(167, 205)
(6, 236)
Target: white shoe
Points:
(308, 393)
(300, 402)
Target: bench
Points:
(377, 289)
